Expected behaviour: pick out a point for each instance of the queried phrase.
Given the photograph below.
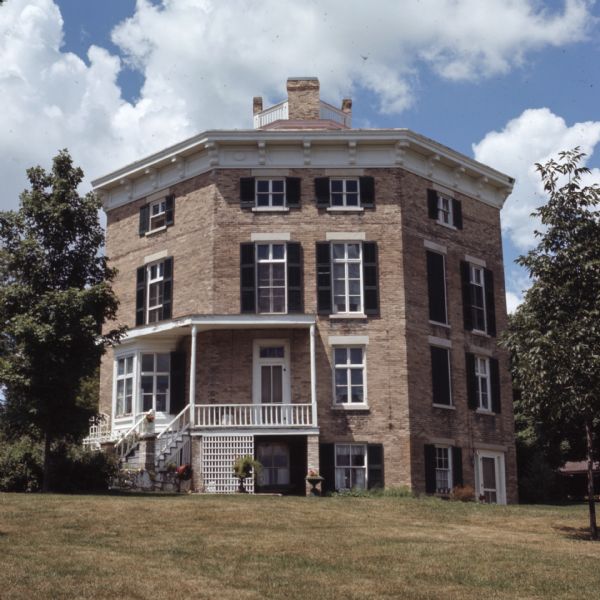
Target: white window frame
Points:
(349, 367)
(344, 192)
(271, 261)
(499, 465)
(158, 280)
(448, 469)
(258, 362)
(124, 377)
(473, 271)
(483, 380)
(161, 214)
(269, 193)
(155, 374)
(445, 214)
(346, 262)
(365, 466)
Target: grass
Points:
(270, 547)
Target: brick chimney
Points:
(303, 98)
(257, 104)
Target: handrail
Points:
(254, 415)
(179, 424)
(130, 439)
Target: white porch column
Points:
(193, 376)
(313, 375)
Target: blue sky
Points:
(508, 82)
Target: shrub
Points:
(391, 492)
(20, 465)
(463, 493)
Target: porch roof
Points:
(180, 327)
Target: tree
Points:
(554, 336)
(55, 295)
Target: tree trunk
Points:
(47, 463)
(590, 473)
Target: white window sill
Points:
(447, 225)
(270, 209)
(444, 406)
(357, 406)
(157, 230)
(439, 324)
(480, 333)
(482, 411)
(347, 316)
(345, 209)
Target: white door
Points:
(271, 383)
(490, 479)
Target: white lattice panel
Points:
(218, 455)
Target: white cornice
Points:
(317, 149)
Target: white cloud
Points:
(203, 60)
(512, 302)
(533, 137)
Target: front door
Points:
(490, 477)
(271, 383)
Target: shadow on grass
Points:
(575, 533)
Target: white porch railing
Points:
(254, 415)
(173, 432)
(274, 113)
(326, 111)
(130, 439)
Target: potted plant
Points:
(313, 478)
(243, 467)
(183, 473)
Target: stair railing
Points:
(130, 439)
(169, 435)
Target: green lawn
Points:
(271, 547)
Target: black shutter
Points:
(436, 286)
(432, 204)
(324, 303)
(140, 296)
(169, 210)
(471, 381)
(144, 219)
(177, 382)
(322, 192)
(295, 298)
(247, 278)
(457, 471)
(375, 466)
(457, 214)
(370, 278)
(490, 301)
(167, 288)
(292, 192)
(367, 192)
(440, 376)
(327, 466)
(495, 385)
(430, 485)
(247, 194)
(465, 276)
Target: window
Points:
(445, 210)
(345, 193)
(155, 382)
(275, 460)
(124, 403)
(490, 480)
(483, 383)
(440, 376)
(154, 292)
(443, 470)
(436, 286)
(269, 193)
(482, 377)
(271, 278)
(478, 298)
(350, 466)
(157, 215)
(347, 277)
(349, 376)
